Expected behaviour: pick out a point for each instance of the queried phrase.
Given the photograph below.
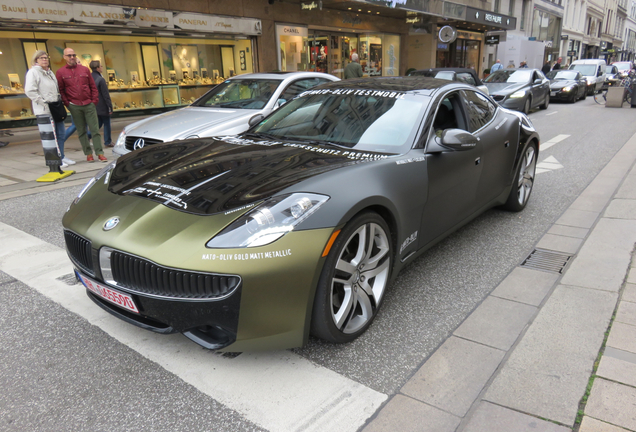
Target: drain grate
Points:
(541, 259)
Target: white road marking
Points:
(547, 144)
(552, 113)
(549, 164)
(278, 390)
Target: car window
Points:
(299, 86)
(449, 115)
(467, 78)
(445, 75)
(240, 93)
(480, 110)
(585, 69)
(509, 76)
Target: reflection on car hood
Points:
(504, 88)
(208, 176)
(187, 121)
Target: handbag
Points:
(58, 112)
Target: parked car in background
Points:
(299, 225)
(466, 75)
(612, 76)
(594, 72)
(225, 110)
(519, 89)
(624, 68)
(567, 85)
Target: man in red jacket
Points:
(80, 95)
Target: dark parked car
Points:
(466, 75)
(300, 224)
(612, 76)
(567, 85)
(519, 89)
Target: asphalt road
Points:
(58, 369)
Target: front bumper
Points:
(562, 95)
(511, 103)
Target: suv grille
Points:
(130, 142)
(146, 277)
(80, 251)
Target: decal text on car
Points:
(247, 256)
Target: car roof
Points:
(276, 75)
(415, 84)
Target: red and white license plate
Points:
(116, 297)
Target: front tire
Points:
(524, 180)
(526, 106)
(354, 279)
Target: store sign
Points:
(492, 40)
(94, 14)
(309, 6)
(217, 24)
(284, 30)
(489, 18)
(36, 10)
(571, 53)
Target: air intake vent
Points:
(546, 260)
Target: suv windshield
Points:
(509, 76)
(240, 93)
(373, 120)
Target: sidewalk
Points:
(22, 161)
(525, 358)
(534, 356)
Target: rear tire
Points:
(523, 181)
(354, 279)
(546, 102)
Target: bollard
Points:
(51, 152)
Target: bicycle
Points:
(626, 83)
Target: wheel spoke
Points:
(346, 267)
(341, 315)
(379, 276)
(362, 312)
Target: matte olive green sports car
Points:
(299, 225)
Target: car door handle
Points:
(477, 161)
(507, 144)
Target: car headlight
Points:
(104, 172)
(269, 221)
(568, 88)
(518, 94)
(589, 81)
(121, 140)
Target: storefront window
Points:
(303, 49)
(143, 72)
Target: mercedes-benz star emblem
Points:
(476, 14)
(138, 144)
(111, 223)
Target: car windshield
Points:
(240, 93)
(586, 70)
(509, 76)
(609, 70)
(373, 120)
(561, 75)
(622, 66)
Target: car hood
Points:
(188, 121)
(555, 85)
(504, 88)
(224, 174)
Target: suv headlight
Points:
(518, 94)
(268, 221)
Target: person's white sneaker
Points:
(64, 165)
(68, 161)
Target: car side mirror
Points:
(255, 119)
(538, 81)
(454, 140)
(279, 102)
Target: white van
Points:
(594, 72)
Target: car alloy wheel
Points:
(354, 279)
(524, 180)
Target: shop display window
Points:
(142, 72)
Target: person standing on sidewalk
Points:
(353, 69)
(496, 66)
(80, 95)
(104, 105)
(40, 86)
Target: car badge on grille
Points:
(138, 144)
(111, 223)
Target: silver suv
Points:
(224, 110)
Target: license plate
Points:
(553, 93)
(116, 297)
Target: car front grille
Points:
(80, 251)
(498, 98)
(146, 277)
(130, 142)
